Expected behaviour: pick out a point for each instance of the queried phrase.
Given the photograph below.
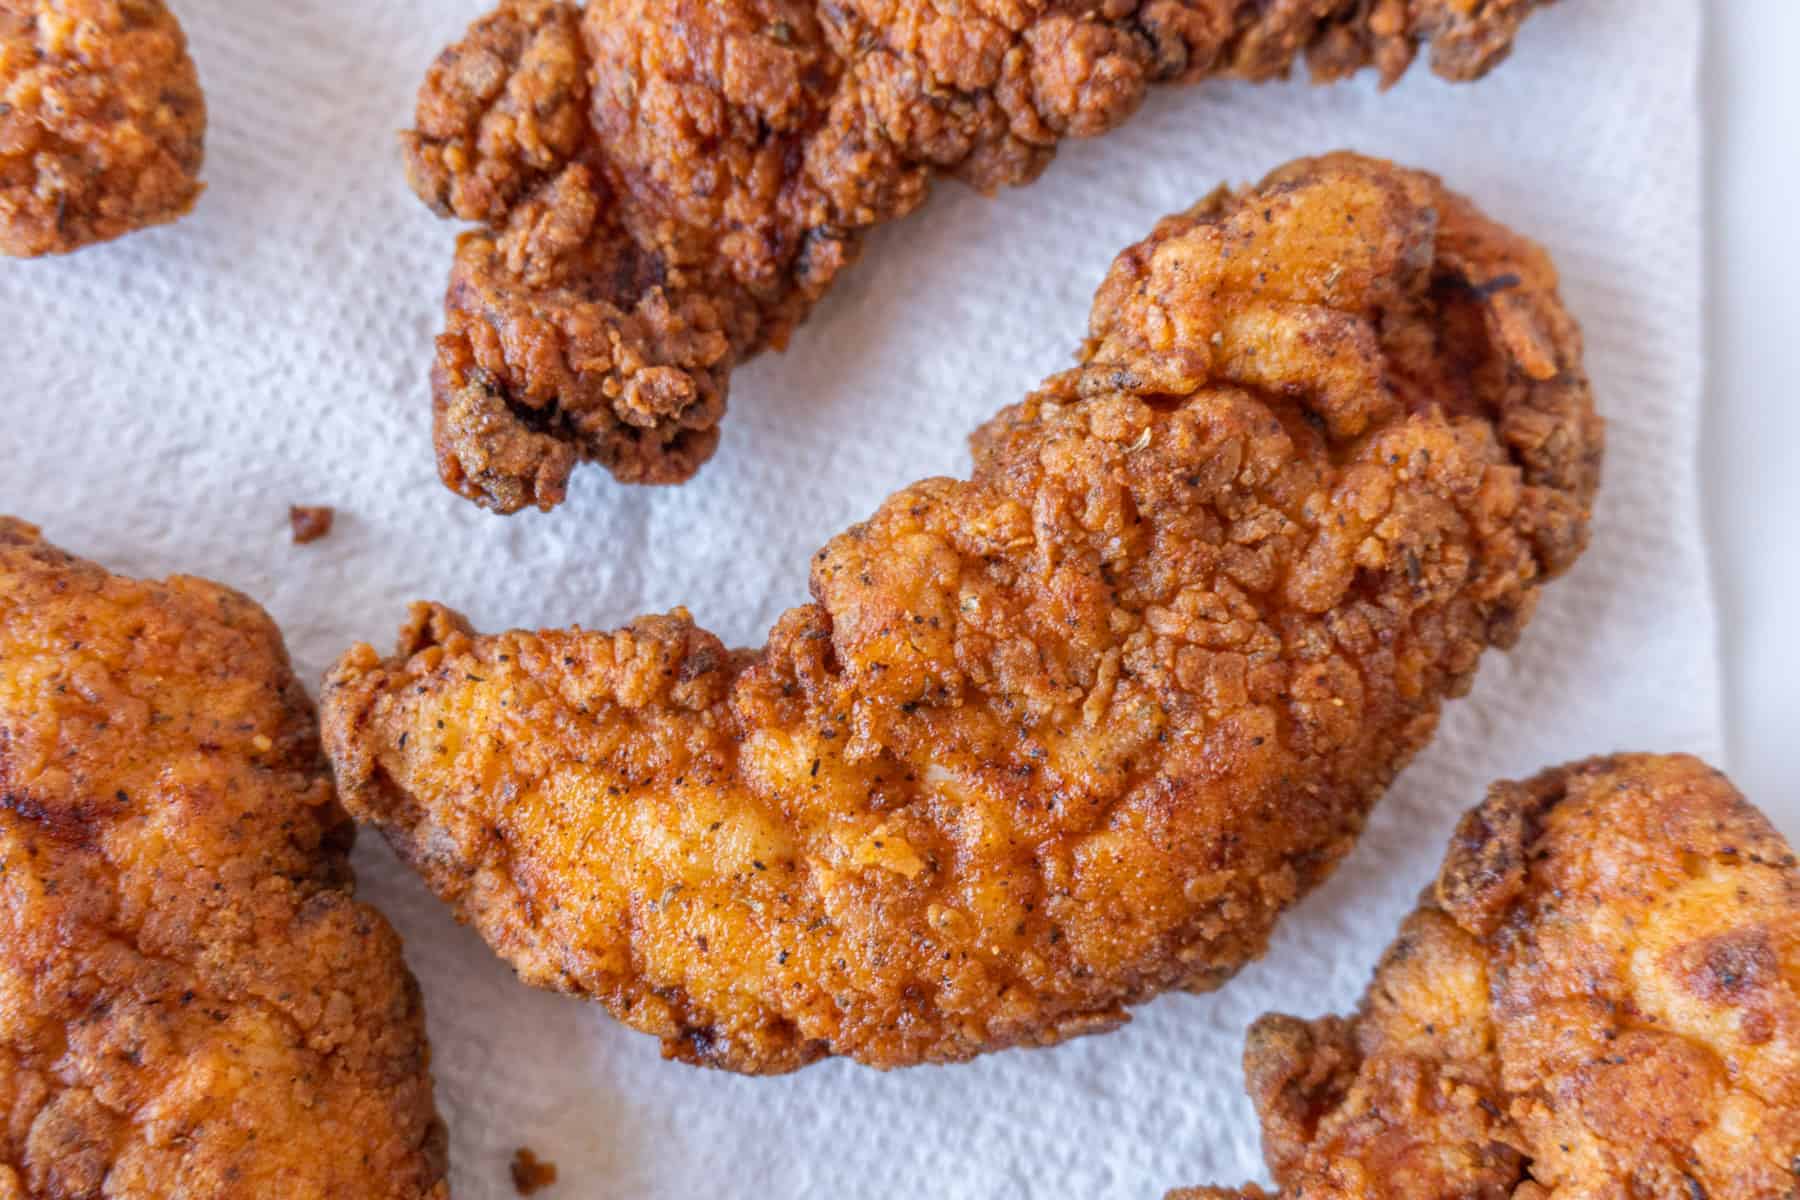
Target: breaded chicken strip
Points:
(191, 1004)
(668, 186)
(1062, 736)
(1599, 1000)
(102, 122)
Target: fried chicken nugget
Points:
(1599, 1000)
(191, 1004)
(102, 122)
(668, 186)
(1062, 736)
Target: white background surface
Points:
(1751, 450)
(168, 396)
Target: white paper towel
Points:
(165, 398)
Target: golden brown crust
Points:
(670, 185)
(1600, 998)
(1062, 736)
(102, 122)
(191, 1004)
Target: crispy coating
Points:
(1064, 735)
(1599, 1000)
(668, 186)
(102, 122)
(191, 1004)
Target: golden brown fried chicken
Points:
(1599, 1000)
(102, 122)
(1061, 736)
(668, 186)
(191, 1004)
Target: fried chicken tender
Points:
(669, 186)
(1057, 738)
(191, 1004)
(1599, 1000)
(102, 122)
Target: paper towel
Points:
(167, 397)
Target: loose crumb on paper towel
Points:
(530, 1175)
(310, 523)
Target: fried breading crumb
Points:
(1599, 998)
(531, 1175)
(191, 1002)
(667, 187)
(102, 122)
(310, 522)
(1058, 737)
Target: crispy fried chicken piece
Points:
(1062, 736)
(668, 186)
(191, 1004)
(102, 122)
(1599, 1000)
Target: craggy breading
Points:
(1057, 738)
(668, 186)
(102, 122)
(1599, 1000)
(191, 1004)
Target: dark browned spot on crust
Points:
(1729, 968)
(69, 823)
(702, 662)
(1486, 865)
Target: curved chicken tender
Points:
(670, 185)
(102, 122)
(191, 1004)
(1600, 999)
(1062, 736)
